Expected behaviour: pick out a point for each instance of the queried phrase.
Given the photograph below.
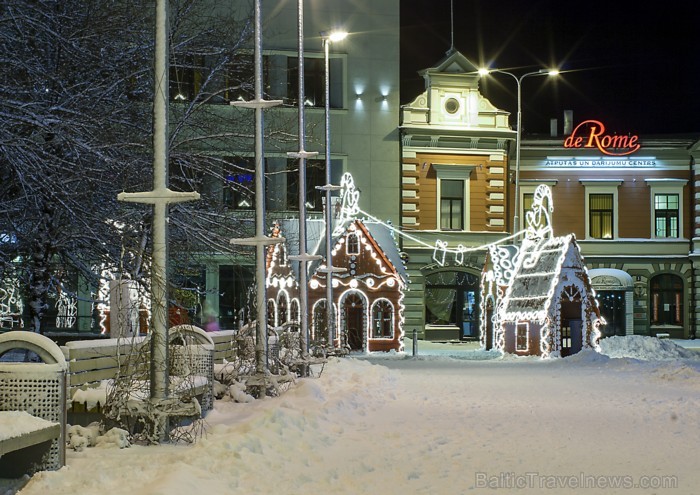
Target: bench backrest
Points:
(36, 388)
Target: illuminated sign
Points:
(599, 162)
(595, 137)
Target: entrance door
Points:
(571, 327)
(612, 308)
(489, 325)
(452, 298)
(354, 310)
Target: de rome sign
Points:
(591, 134)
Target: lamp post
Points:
(518, 81)
(328, 38)
(303, 257)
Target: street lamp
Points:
(328, 38)
(518, 80)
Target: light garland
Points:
(549, 260)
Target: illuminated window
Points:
(565, 334)
(521, 337)
(666, 300)
(382, 320)
(601, 208)
(600, 211)
(666, 215)
(353, 244)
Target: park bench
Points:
(32, 406)
(94, 365)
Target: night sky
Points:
(635, 68)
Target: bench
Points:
(95, 365)
(24, 439)
(32, 406)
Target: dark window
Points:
(452, 204)
(282, 309)
(235, 295)
(315, 176)
(600, 210)
(271, 315)
(353, 244)
(521, 337)
(294, 311)
(319, 327)
(314, 82)
(382, 320)
(186, 77)
(239, 185)
(666, 215)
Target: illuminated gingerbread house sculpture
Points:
(368, 296)
(368, 308)
(548, 308)
(281, 285)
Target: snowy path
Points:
(430, 425)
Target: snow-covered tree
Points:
(76, 83)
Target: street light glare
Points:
(484, 72)
(337, 35)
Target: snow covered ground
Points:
(446, 422)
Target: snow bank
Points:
(644, 348)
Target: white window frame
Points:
(454, 172)
(666, 186)
(602, 186)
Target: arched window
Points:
(271, 313)
(666, 300)
(319, 326)
(382, 320)
(282, 308)
(294, 311)
(353, 244)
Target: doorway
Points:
(354, 316)
(452, 298)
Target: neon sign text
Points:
(605, 143)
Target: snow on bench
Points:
(24, 442)
(32, 409)
(94, 366)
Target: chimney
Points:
(568, 122)
(553, 124)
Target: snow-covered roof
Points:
(537, 273)
(382, 236)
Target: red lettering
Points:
(598, 139)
